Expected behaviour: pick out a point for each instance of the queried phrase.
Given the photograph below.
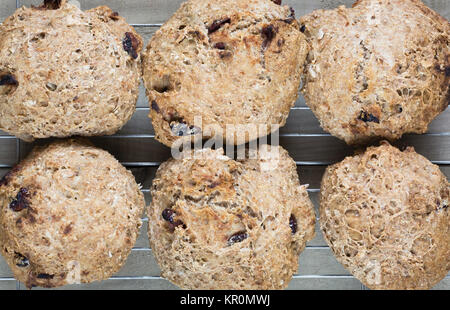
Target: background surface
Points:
(311, 148)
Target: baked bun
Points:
(385, 215)
(69, 213)
(226, 62)
(378, 69)
(217, 223)
(66, 72)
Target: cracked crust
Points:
(72, 72)
(385, 215)
(216, 223)
(69, 213)
(379, 69)
(226, 61)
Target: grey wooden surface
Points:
(302, 136)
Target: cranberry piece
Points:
(293, 224)
(168, 214)
(48, 5)
(8, 79)
(21, 261)
(217, 24)
(446, 70)
(155, 107)
(114, 16)
(21, 201)
(45, 276)
(268, 33)
(238, 237)
(130, 44)
(52, 4)
(220, 45)
(367, 117)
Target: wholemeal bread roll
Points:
(66, 72)
(69, 213)
(378, 69)
(217, 223)
(385, 215)
(224, 62)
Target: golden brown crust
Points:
(385, 215)
(69, 213)
(213, 201)
(226, 62)
(75, 72)
(379, 69)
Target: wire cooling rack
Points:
(307, 143)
